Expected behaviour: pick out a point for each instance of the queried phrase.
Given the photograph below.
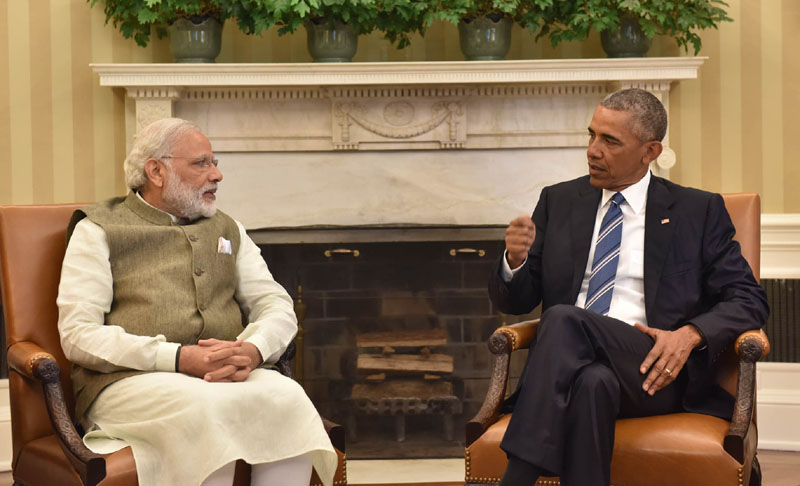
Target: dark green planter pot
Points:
(191, 42)
(484, 38)
(331, 41)
(627, 41)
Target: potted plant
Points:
(333, 26)
(194, 26)
(626, 26)
(484, 26)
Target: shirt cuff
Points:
(165, 356)
(505, 269)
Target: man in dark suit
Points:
(642, 288)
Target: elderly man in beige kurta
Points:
(168, 311)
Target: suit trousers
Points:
(581, 375)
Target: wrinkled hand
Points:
(519, 239)
(215, 360)
(668, 355)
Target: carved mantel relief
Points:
(397, 122)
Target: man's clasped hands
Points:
(219, 361)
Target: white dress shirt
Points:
(627, 301)
(86, 292)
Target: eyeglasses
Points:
(203, 163)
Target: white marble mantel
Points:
(390, 144)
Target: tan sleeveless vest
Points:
(170, 279)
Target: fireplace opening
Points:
(394, 335)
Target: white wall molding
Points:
(374, 73)
(780, 245)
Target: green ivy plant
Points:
(454, 11)
(137, 18)
(395, 18)
(679, 19)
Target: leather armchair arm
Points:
(26, 357)
(748, 338)
(750, 346)
(335, 432)
(520, 335)
(36, 364)
(502, 343)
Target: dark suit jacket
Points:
(693, 271)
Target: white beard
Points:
(187, 200)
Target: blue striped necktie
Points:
(606, 259)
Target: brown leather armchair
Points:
(46, 446)
(684, 448)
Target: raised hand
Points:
(519, 239)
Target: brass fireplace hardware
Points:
(466, 251)
(341, 251)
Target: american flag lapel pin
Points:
(665, 221)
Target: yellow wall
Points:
(62, 136)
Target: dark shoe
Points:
(520, 473)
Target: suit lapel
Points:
(659, 227)
(583, 214)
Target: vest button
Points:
(198, 271)
(192, 238)
(202, 307)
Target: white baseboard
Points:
(6, 452)
(778, 406)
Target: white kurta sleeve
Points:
(272, 322)
(85, 294)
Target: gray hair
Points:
(648, 114)
(154, 141)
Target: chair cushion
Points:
(681, 448)
(120, 469)
(665, 450)
(42, 462)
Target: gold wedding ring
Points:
(668, 371)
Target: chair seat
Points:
(644, 448)
(41, 460)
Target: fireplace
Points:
(412, 286)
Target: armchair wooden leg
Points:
(755, 473)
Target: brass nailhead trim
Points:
(490, 480)
(33, 359)
(469, 478)
(511, 336)
(755, 337)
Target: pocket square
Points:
(224, 246)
